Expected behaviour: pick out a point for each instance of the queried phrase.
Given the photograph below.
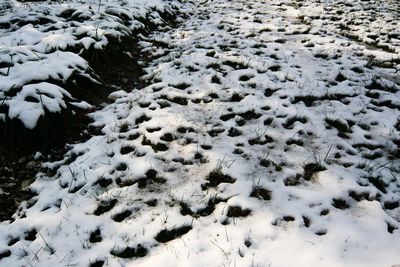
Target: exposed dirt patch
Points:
(130, 252)
(105, 206)
(119, 217)
(95, 236)
(216, 177)
(168, 235)
(151, 178)
(306, 221)
(340, 203)
(312, 168)
(98, 263)
(208, 210)
(261, 193)
(237, 211)
(4, 254)
(15, 175)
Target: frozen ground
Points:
(268, 135)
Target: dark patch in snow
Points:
(130, 252)
(261, 193)
(5, 253)
(168, 235)
(95, 236)
(119, 217)
(216, 177)
(105, 206)
(237, 211)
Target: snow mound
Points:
(45, 42)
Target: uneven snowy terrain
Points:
(268, 135)
(43, 47)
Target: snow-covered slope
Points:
(45, 42)
(266, 137)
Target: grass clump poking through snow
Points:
(216, 177)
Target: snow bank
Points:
(44, 42)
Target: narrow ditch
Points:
(22, 151)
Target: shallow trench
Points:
(22, 150)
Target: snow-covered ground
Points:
(268, 135)
(42, 44)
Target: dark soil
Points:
(311, 168)
(208, 210)
(261, 193)
(151, 178)
(168, 235)
(390, 228)
(130, 252)
(216, 177)
(237, 211)
(306, 221)
(98, 263)
(95, 236)
(122, 216)
(391, 205)
(378, 183)
(5, 254)
(340, 203)
(104, 207)
(15, 174)
(359, 196)
(115, 70)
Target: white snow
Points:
(258, 92)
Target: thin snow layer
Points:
(45, 41)
(263, 139)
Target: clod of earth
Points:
(307, 221)
(31, 235)
(237, 211)
(168, 235)
(105, 206)
(104, 182)
(390, 228)
(261, 193)
(324, 212)
(310, 169)
(130, 252)
(98, 263)
(321, 232)
(359, 196)
(340, 203)
(119, 217)
(216, 177)
(5, 254)
(208, 210)
(95, 236)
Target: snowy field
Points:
(268, 135)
